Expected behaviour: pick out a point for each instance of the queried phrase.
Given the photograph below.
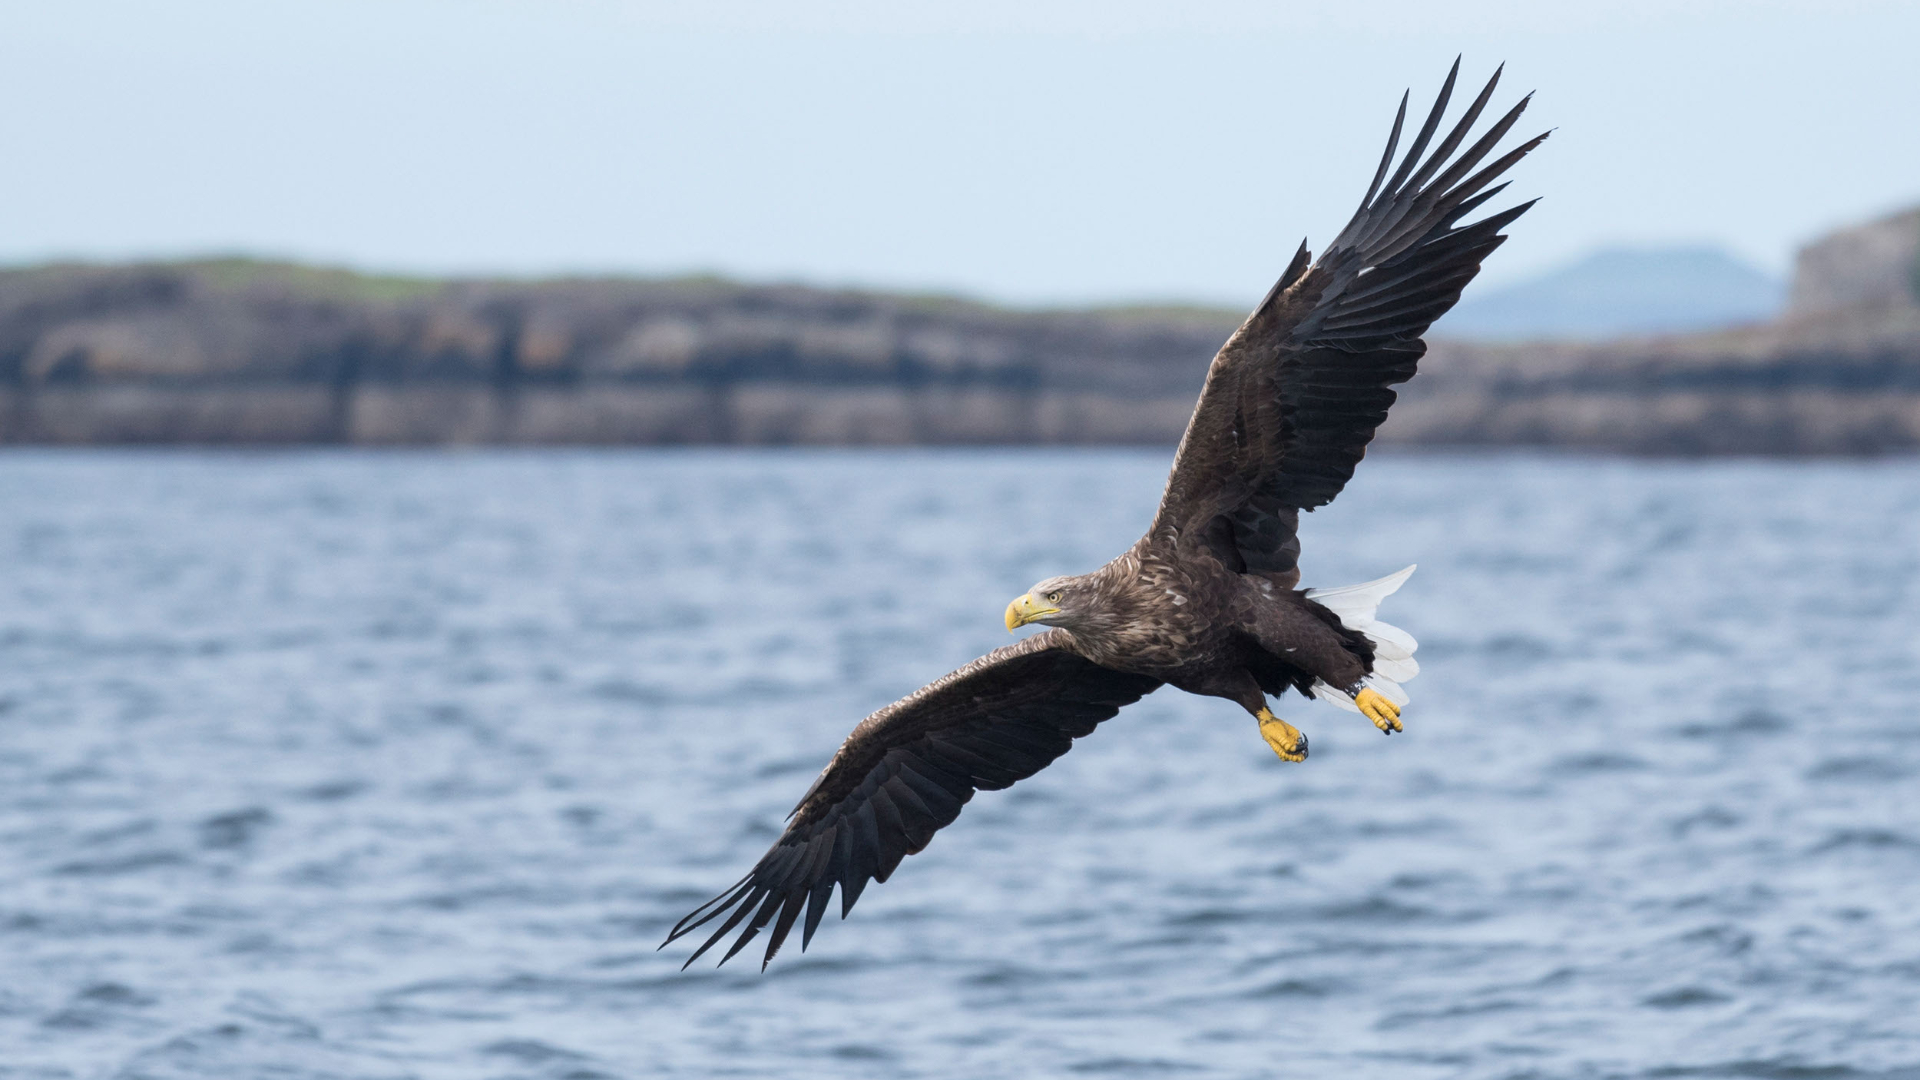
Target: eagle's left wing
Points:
(905, 772)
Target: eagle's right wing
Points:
(1294, 397)
(905, 772)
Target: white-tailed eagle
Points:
(1208, 600)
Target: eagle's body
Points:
(1192, 623)
(1207, 600)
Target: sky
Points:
(1026, 151)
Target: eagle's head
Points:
(1057, 601)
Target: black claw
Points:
(1303, 744)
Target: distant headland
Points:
(235, 351)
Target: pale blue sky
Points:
(1030, 151)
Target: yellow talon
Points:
(1384, 713)
(1285, 739)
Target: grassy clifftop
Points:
(252, 351)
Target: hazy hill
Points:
(1622, 291)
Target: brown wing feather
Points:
(1295, 395)
(905, 772)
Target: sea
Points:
(401, 764)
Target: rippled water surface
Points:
(400, 765)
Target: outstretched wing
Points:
(1295, 395)
(906, 771)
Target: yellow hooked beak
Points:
(1025, 610)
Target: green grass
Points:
(241, 272)
(238, 272)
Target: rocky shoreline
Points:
(254, 353)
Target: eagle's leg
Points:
(1376, 707)
(1238, 684)
(1287, 741)
(1300, 643)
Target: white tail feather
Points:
(1390, 640)
(1357, 603)
(1393, 648)
(1397, 670)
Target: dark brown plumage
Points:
(1206, 601)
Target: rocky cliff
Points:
(245, 352)
(235, 351)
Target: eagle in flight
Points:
(1207, 601)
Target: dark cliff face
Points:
(245, 352)
(231, 321)
(337, 357)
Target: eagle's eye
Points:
(1053, 597)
